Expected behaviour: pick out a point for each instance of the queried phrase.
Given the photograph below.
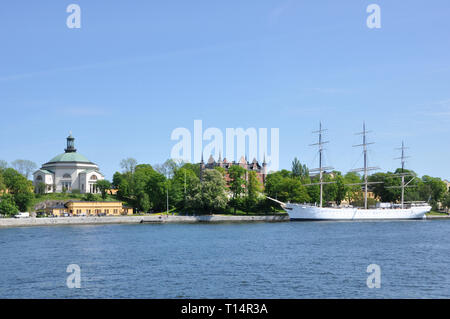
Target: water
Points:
(254, 260)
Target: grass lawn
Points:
(435, 213)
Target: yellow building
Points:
(82, 208)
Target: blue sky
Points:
(137, 70)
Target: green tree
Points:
(182, 184)
(353, 191)
(254, 188)
(297, 168)
(283, 187)
(2, 182)
(329, 190)
(144, 203)
(341, 189)
(213, 191)
(156, 190)
(437, 187)
(192, 167)
(103, 186)
(19, 187)
(237, 184)
(89, 197)
(117, 179)
(446, 201)
(124, 189)
(297, 192)
(7, 205)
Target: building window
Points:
(93, 178)
(67, 176)
(39, 178)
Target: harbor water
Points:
(246, 260)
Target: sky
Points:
(135, 71)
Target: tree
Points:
(297, 192)
(383, 190)
(341, 189)
(254, 188)
(432, 190)
(144, 202)
(446, 201)
(89, 197)
(24, 167)
(213, 193)
(353, 191)
(169, 167)
(329, 190)
(19, 187)
(237, 184)
(193, 167)
(156, 190)
(182, 184)
(7, 205)
(117, 179)
(3, 165)
(437, 187)
(296, 168)
(2, 182)
(103, 186)
(280, 185)
(124, 189)
(128, 165)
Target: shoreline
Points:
(157, 219)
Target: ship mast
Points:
(321, 169)
(365, 169)
(402, 159)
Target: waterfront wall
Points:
(20, 222)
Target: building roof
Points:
(44, 171)
(70, 157)
(87, 171)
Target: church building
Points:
(68, 171)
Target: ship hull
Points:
(307, 212)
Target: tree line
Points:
(185, 188)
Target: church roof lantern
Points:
(70, 154)
(70, 144)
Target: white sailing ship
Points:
(387, 211)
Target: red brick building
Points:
(259, 169)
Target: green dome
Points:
(70, 157)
